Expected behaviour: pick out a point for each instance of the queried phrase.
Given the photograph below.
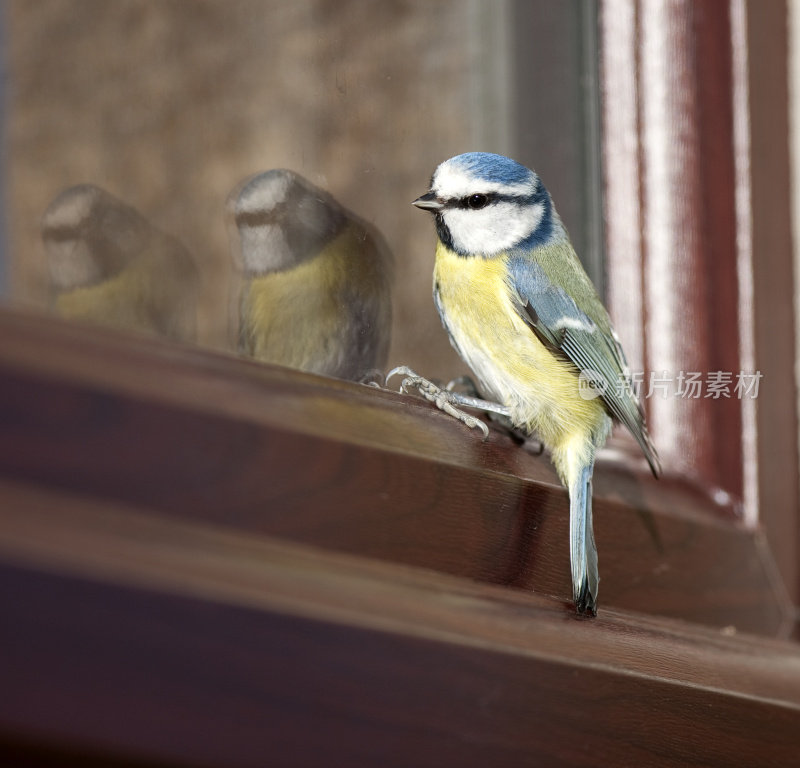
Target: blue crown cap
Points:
(490, 167)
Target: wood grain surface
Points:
(205, 437)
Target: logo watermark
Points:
(690, 385)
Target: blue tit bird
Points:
(316, 280)
(110, 266)
(526, 318)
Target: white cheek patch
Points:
(264, 249)
(493, 229)
(71, 264)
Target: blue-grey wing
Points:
(559, 323)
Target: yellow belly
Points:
(512, 366)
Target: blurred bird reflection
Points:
(316, 280)
(108, 265)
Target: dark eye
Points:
(476, 202)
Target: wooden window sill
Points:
(348, 573)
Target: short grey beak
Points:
(428, 202)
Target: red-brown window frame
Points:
(696, 137)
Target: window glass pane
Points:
(167, 107)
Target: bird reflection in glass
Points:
(315, 279)
(110, 266)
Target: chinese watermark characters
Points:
(690, 385)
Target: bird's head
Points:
(90, 235)
(282, 220)
(486, 204)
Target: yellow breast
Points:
(513, 367)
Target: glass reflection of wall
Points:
(170, 105)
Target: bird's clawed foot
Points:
(444, 399)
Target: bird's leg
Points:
(518, 435)
(446, 400)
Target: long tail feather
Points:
(583, 552)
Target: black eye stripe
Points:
(62, 233)
(261, 218)
(491, 197)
